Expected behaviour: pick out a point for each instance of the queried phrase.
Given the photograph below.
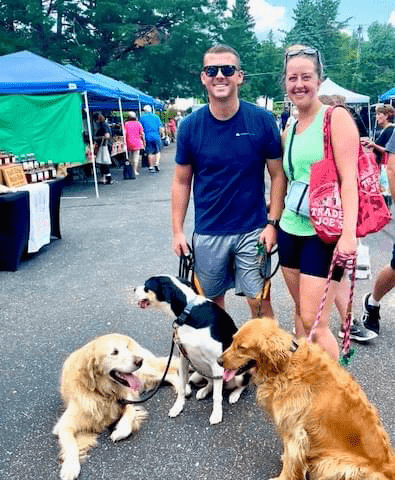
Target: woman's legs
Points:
(292, 279)
(135, 161)
(306, 292)
(311, 291)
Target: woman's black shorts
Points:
(308, 254)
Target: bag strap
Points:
(291, 141)
(349, 262)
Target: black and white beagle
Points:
(203, 331)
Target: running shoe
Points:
(371, 316)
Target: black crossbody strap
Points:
(291, 141)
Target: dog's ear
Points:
(88, 373)
(274, 352)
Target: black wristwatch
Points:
(274, 223)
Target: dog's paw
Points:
(216, 417)
(188, 390)
(203, 392)
(70, 470)
(235, 395)
(121, 431)
(176, 409)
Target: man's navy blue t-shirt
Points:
(228, 160)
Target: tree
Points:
(316, 25)
(377, 62)
(239, 34)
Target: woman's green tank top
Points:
(307, 148)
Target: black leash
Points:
(186, 269)
(123, 401)
(263, 254)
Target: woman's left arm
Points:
(345, 141)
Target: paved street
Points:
(81, 286)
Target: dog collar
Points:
(181, 319)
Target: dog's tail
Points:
(153, 371)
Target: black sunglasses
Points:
(226, 70)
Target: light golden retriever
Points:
(327, 425)
(95, 380)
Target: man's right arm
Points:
(181, 191)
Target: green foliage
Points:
(102, 35)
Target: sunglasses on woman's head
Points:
(226, 70)
(303, 51)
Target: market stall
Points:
(16, 224)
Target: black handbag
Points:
(128, 171)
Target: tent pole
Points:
(123, 127)
(370, 123)
(139, 108)
(91, 142)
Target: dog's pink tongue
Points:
(229, 375)
(133, 380)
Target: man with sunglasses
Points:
(223, 148)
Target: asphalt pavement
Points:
(81, 286)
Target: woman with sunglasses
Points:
(304, 258)
(222, 149)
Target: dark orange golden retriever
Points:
(326, 422)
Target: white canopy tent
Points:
(328, 87)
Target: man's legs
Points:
(384, 283)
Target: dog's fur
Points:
(94, 379)
(206, 333)
(326, 423)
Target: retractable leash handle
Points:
(349, 262)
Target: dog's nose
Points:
(220, 361)
(138, 361)
(134, 289)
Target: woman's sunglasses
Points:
(303, 51)
(226, 70)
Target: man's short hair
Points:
(222, 48)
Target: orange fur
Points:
(91, 396)
(325, 420)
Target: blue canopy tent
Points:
(25, 73)
(144, 99)
(390, 95)
(129, 99)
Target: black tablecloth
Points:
(15, 223)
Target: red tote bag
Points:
(326, 211)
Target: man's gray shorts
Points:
(223, 262)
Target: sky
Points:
(277, 14)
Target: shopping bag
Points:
(103, 155)
(326, 210)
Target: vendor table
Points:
(15, 223)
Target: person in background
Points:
(172, 129)
(152, 131)
(304, 258)
(178, 119)
(222, 148)
(284, 118)
(103, 135)
(385, 117)
(135, 140)
(385, 280)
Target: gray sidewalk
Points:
(81, 286)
